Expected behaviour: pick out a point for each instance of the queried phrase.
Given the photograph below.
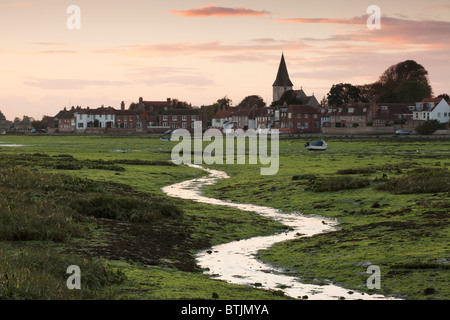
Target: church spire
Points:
(282, 82)
(282, 79)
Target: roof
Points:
(304, 108)
(223, 114)
(359, 109)
(432, 100)
(180, 112)
(282, 79)
(66, 115)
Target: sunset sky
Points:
(200, 51)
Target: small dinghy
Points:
(318, 145)
(165, 139)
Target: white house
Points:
(432, 109)
(89, 118)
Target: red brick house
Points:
(183, 118)
(300, 119)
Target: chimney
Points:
(168, 99)
(122, 106)
(140, 100)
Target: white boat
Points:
(318, 145)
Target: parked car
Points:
(401, 132)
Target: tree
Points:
(177, 104)
(429, 126)
(445, 96)
(393, 79)
(289, 97)
(324, 102)
(221, 104)
(412, 91)
(2, 116)
(39, 125)
(388, 97)
(343, 93)
(252, 101)
(408, 70)
(225, 102)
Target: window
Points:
(439, 114)
(184, 118)
(306, 125)
(194, 118)
(315, 115)
(289, 115)
(165, 118)
(165, 124)
(445, 114)
(299, 125)
(184, 125)
(306, 116)
(174, 118)
(81, 125)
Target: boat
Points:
(318, 145)
(165, 138)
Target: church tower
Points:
(282, 82)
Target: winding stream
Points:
(235, 261)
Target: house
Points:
(183, 118)
(300, 119)
(306, 100)
(66, 121)
(290, 119)
(432, 109)
(325, 116)
(266, 118)
(351, 115)
(154, 106)
(103, 117)
(245, 118)
(385, 114)
(223, 119)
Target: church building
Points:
(283, 83)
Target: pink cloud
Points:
(355, 20)
(214, 11)
(210, 47)
(428, 34)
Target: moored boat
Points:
(318, 145)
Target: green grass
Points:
(390, 196)
(404, 232)
(58, 194)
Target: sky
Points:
(200, 51)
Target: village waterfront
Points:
(96, 202)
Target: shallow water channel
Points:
(235, 262)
